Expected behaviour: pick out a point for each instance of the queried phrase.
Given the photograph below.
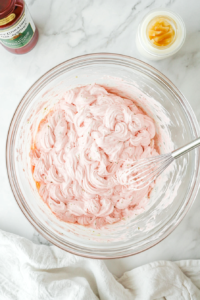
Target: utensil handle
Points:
(185, 149)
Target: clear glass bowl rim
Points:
(53, 73)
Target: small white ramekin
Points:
(147, 49)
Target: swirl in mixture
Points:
(80, 145)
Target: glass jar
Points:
(154, 51)
(18, 33)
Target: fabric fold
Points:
(29, 271)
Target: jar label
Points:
(19, 34)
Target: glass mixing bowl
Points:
(164, 212)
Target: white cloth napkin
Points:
(39, 272)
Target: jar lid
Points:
(6, 7)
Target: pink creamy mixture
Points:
(80, 145)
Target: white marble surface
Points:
(70, 28)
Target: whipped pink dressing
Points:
(80, 145)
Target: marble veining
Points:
(70, 28)
(39, 239)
